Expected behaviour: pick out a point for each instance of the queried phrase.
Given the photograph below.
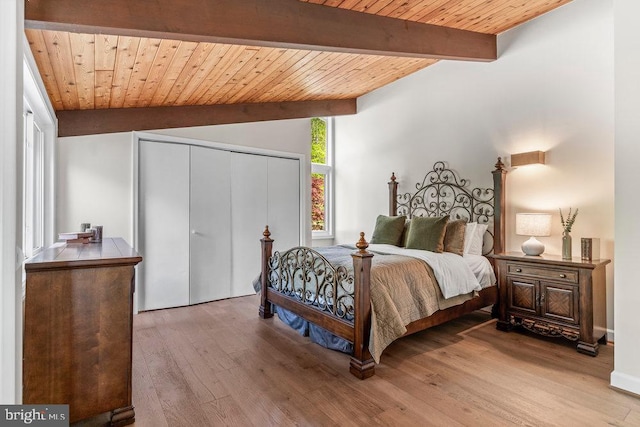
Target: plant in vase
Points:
(566, 236)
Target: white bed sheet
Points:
(481, 268)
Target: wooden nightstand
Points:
(553, 297)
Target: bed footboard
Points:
(302, 281)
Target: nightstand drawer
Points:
(556, 274)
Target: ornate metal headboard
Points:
(442, 192)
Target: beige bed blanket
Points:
(403, 289)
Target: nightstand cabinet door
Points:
(560, 302)
(523, 296)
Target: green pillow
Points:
(405, 233)
(388, 230)
(454, 236)
(427, 233)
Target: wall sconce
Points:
(530, 158)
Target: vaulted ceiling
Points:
(121, 65)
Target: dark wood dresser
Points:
(554, 297)
(78, 329)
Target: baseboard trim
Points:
(610, 336)
(626, 383)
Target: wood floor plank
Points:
(255, 403)
(517, 376)
(226, 412)
(144, 396)
(633, 418)
(176, 397)
(280, 385)
(220, 364)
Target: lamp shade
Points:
(533, 224)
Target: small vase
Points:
(566, 245)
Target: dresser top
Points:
(550, 260)
(111, 252)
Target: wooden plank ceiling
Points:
(236, 61)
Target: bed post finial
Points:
(362, 244)
(266, 233)
(393, 195)
(499, 165)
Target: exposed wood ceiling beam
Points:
(89, 122)
(275, 23)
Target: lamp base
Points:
(533, 247)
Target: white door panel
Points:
(248, 218)
(283, 215)
(210, 219)
(164, 225)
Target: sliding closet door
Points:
(248, 218)
(210, 219)
(264, 191)
(284, 202)
(202, 212)
(163, 225)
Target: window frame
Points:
(36, 101)
(33, 188)
(328, 171)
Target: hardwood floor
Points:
(219, 364)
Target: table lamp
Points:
(533, 225)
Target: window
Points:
(33, 197)
(321, 178)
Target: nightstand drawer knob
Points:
(518, 270)
(563, 276)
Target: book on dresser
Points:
(75, 236)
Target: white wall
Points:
(627, 296)
(11, 18)
(94, 183)
(95, 173)
(551, 89)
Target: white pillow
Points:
(478, 239)
(469, 234)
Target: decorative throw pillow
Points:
(478, 239)
(454, 236)
(427, 233)
(388, 230)
(469, 235)
(405, 233)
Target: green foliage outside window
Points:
(317, 201)
(318, 141)
(318, 155)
